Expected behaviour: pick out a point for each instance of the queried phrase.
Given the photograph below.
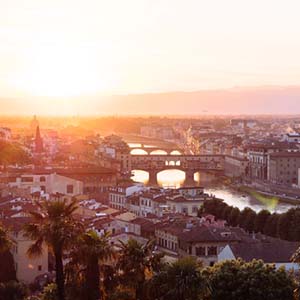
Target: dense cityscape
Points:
(149, 150)
(149, 207)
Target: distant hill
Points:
(256, 100)
(262, 100)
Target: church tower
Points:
(38, 141)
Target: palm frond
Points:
(36, 249)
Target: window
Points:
(70, 189)
(184, 210)
(195, 209)
(212, 250)
(200, 251)
(42, 179)
(27, 179)
(39, 267)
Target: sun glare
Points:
(65, 72)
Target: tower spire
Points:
(38, 141)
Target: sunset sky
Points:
(59, 49)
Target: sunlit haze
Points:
(67, 57)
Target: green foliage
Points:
(56, 227)
(135, 261)
(13, 290)
(5, 242)
(285, 226)
(181, 280)
(239, 280)
(12, 154)
(7, 269)
(49, 292)
(271, 224)
(88, 251)
(261, 219)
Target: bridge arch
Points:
(158, 152)
(138, 151)
(175, 152)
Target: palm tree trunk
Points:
(60, 281)
(139, 292)
(93, 279)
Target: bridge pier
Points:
(189, 177)
(152, 177)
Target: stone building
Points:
(284, 168)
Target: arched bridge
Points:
(155, 150)
(190, 164)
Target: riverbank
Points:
(265, 196)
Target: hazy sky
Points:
(84, 47)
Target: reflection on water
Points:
(140, 176)
(167, 179)
(240, 200)
(175, 179)
(171, 178)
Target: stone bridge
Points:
(190, 164)
(150, 150)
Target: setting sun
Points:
(64, 71)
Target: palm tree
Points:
(296, 259)
(55, 227)
(5, 242)
(135, 261)
(181, 280)
(89, 251)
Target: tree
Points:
(271, 225)
(89, 250)
(181, 280)
(284, 223)
(237, 280)
(233, 217)
(12, 154)
(5, 242)
(294, 229)
(296, 259)
(7, 269)
(56, 227)
(260, 220)
(49, 292)
(247, 218)
(13, 290)
(226, 213)
(135, 261)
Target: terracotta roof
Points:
(15, 224)
(275, 251)
(209, 234)
(285, 154)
